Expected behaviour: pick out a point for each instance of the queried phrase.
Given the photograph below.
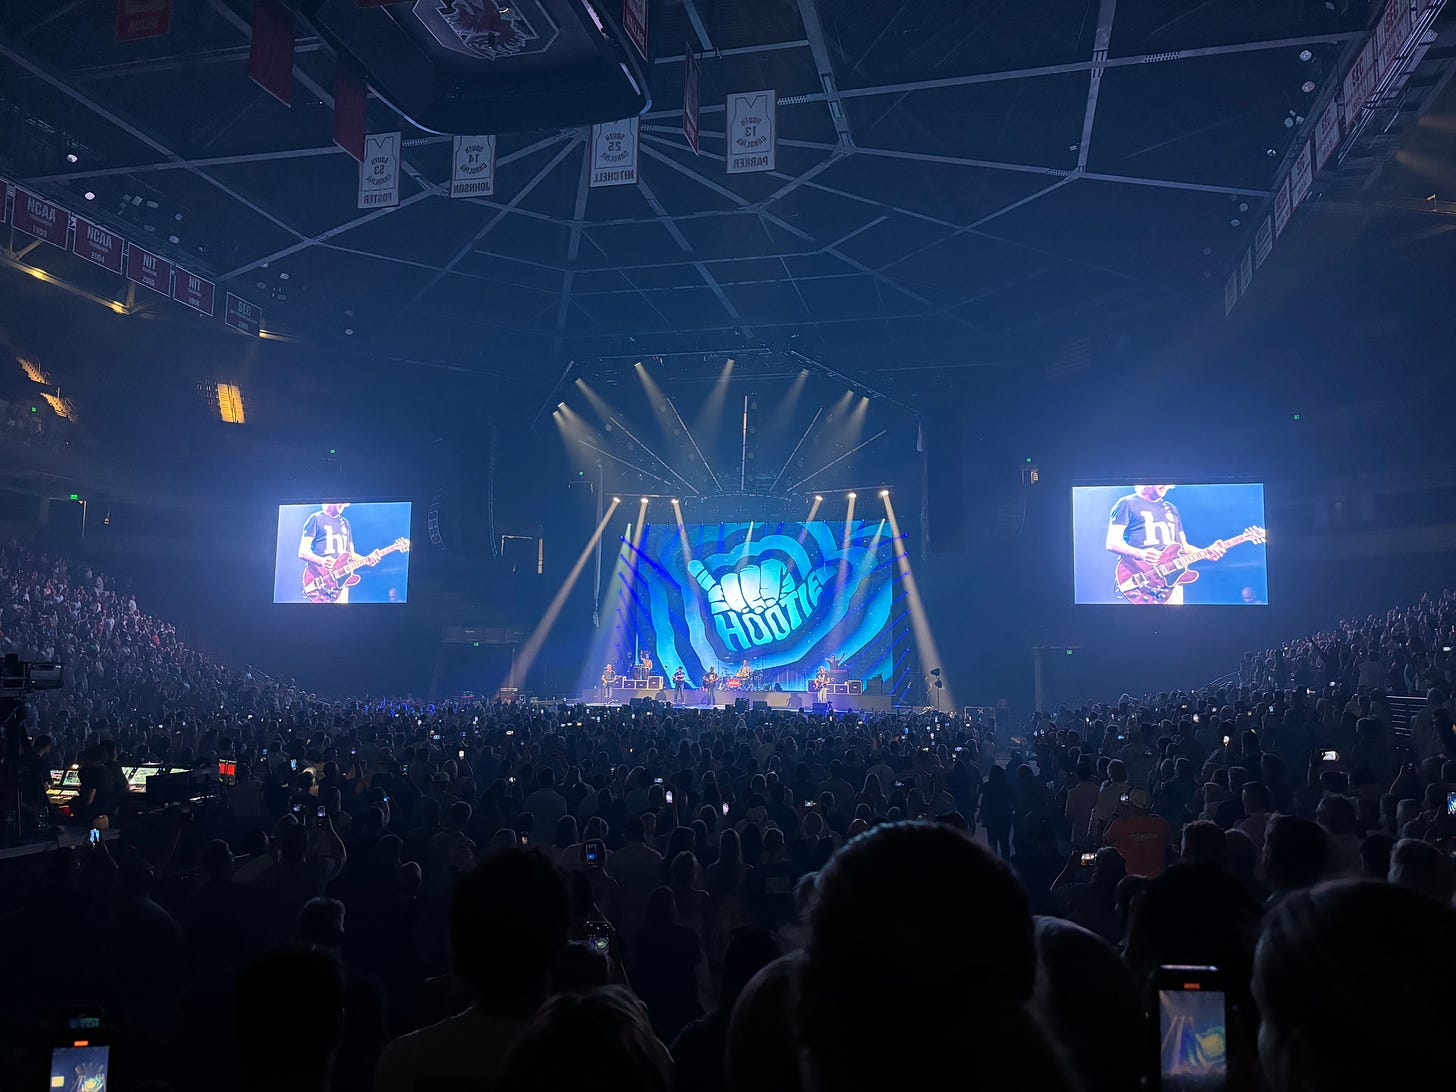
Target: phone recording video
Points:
(95, 837)
(1329, 756)
(667, 797)
(599, 937)
(1089, 859)
(80, 1067)
(592, 854)
(1192, 1036)
(1451, 803)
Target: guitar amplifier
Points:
(655, 682)
(856, 686)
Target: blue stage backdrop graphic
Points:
(784, 598)
(1169, 520)
(331, 530)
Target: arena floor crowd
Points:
(407, 897)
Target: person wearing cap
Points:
(1141, 837)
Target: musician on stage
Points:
(679, 685)
(644, 666)
(710, 684)
(609, 680)
(745, 673)
(1144, 524)
(327, 537)
(821, 683)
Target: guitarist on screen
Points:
(327, 537)
(1144, 525)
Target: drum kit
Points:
(752, 681)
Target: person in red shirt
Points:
(1140, 837)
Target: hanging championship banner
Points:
(634, 22)
(146, 269)
(614, 153)
(691, 75)
(379, 172)
(37, 216)
(751, 132)
(1263, 240)
(1301, 177)
(1391, 34)
(1230, 292)
(1282, 207)
(1246, 271)
(1326, 134)
(94, 243)
(242, 315)
(474, 171)
(193, 291)
(137, 19)
(4, 201)
(1359, 82)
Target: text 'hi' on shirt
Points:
(329, 535)
(1148, 523)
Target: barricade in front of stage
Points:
(803, 700)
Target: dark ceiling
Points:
(993, 183)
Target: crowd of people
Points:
(401, 896)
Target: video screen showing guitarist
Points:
(1144, 524)
(327, 537)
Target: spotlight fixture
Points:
(616, 500)
(1235, 222)
(851, 496)
(560, 405)
(818, 499)
(89, 196)
(1289, 123)
(1243, 206)
(644, 500)
(884, 492)
(674, 501)
(1306, 55)
(1307, 86)
(71, 157)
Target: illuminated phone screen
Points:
(1193, 1047)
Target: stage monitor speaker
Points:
(821, 708)
(740, 705)
(474, 67)
(760, 704)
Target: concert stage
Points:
(772, 699)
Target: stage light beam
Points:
(919, 621)
(532, 647)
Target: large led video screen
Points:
(1167, 545)
(769, 604)
(336, 552)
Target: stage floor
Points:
(775, 699)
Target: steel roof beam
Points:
(138, 134)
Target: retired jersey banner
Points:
(1282, 208)
(379, 172)
(242, 315)
(1230, 292)
(473, 174)
(1359, 82)
(1301, 177)
(1391, 34)
(270, 54)
(1246, 271)
(148, 270)
(193, 291)
(751, 124)
(4, 201)
(614, 153)
(691, 76)
(94, 243)
(137, 19)
(634, 22)
(39, 217)
(1263, 240)
(1326, 134)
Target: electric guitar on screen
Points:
(324, 583)
(1144, 582)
